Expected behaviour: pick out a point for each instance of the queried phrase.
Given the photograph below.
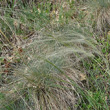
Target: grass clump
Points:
(47, 76)
(100, 10)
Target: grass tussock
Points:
(100, 10)
(48, 69)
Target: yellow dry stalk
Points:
(4, 36)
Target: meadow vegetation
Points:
(54, 55)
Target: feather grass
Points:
(48, 77)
